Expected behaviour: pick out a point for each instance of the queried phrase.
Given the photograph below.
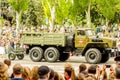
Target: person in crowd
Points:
(102, 74)
(12, 44)
(117, 73)
(114, 72)
(8, 63)
(117, 60)
(69, 73)
(82, 72)
(26, 74)
(44, 72)
(7, 45)
(2, 47)
(3, 71)
(17, 72)
(58, 76)
(52, 75)
(82, 68)
(34, 73)
(92, 71)
(68, 64)
(81, 76)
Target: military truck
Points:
(57, 46)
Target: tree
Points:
(20, 6)
(107, 9)
(81, 6)
(49, 11)
(35, 13)
(62, 10)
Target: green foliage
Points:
(3, 5)
(118, 5)
(35, 14)
(107, 8)
(77, 11)
(62, 10)
(47, 5)
(19, 5)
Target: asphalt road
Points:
(58, 66)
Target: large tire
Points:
(12, 56)
(36, 54)
(20, 56)
(51, 54)
(105, 58)
(64, 56)
(93, 56)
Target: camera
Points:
(108, 66)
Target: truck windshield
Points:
(90, 32)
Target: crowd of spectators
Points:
(44, 72)
(9, 36)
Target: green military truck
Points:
(58, 46)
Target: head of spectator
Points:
(82, 67)
(117, 72)
(56, 76)
(69, 73)
(3, 71)
(117, 59)
(51, 75)
(3, 67)
(17, 71)
(80, 76)
(34, 73)
(67, 64)
(92, 69)
(26, 73)
(7, 62)
(44, 72)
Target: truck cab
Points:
(94, 48)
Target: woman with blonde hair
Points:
(34, 73)
(3, 71)
(26, 73)
(69, 73)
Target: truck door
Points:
(80, 39)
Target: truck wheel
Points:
(93, 56)
(105, 58)
(36, 54)
(20, 56)
(51, 54)
(64, 57)
(11, 56)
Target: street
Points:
(58, 66)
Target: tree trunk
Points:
(107, 22)
(52, 11)
(88, 16)
(17, 21)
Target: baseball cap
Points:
(43, 70)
